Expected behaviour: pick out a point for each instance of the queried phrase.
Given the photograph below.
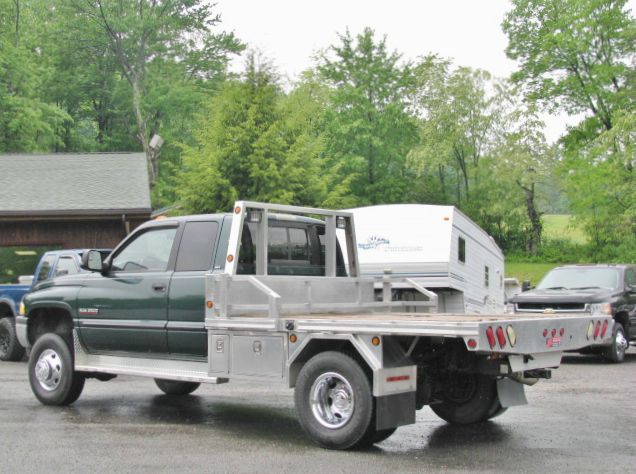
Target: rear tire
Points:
(174, 387)
(51, 372)
(616, 351)
(10, 348)
(334, 401)
(468, 398)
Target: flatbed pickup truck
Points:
(263, 295)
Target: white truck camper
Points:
(439, 248)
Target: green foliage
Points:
(574, 54)
(255, 143)
(368, 128)
(29, 121)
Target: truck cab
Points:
(163, 263)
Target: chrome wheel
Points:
(331, 399)
(48, 370)
(620, 343)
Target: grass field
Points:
(555, 226)
(528, 271)
(561, 226)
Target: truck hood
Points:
(591, 295)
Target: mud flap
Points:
(395, 410)
(511, 393)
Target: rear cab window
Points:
(294, 248)
(66, 266)
(196, 250)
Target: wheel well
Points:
(54, 320)
(316, 346)
(623, 318)
(6, 311)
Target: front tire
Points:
(334, 401)
(51, 372)
(616, 351)
(10, 348)
(173, 387)
(467, 399)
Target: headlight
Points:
(22, 309)
(601, 308)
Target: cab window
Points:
(66, 266)
(149, 251)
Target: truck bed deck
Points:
(559, 331)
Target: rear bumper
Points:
(21, 330)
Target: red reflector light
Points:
(398, 378)
(604, 330)
(501, 337)
(545, 333)
(472, 343)
(490, 334)
(597, 329)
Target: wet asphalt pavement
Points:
(583, 420)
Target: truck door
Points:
(126, 309)
(186, 313)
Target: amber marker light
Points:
(230, 258)
(237, 210)
(292, 338)
(512, 337)
(209, 304)
(375, 340)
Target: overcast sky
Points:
(289, 32)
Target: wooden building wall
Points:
(66, 234)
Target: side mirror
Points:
(525, 286)
(92, 261)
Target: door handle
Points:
(159, 287)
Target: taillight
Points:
(604, 330)
(562, 332)
(501, 337)
(554, 333)
(490, 334)
(545, 333)
(597, 329)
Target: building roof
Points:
(101, 183)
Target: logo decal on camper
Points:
(373, 242)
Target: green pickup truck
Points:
(264, 295)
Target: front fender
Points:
(10, 303)
(60, 297)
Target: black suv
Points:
(606, 289)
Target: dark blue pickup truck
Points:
(52, 264)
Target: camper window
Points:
(462, 250)
(486, 276)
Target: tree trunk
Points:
(142, 134)
(535, 219)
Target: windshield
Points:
(579, 278)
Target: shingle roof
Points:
(73, 182)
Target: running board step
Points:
(183, 370)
